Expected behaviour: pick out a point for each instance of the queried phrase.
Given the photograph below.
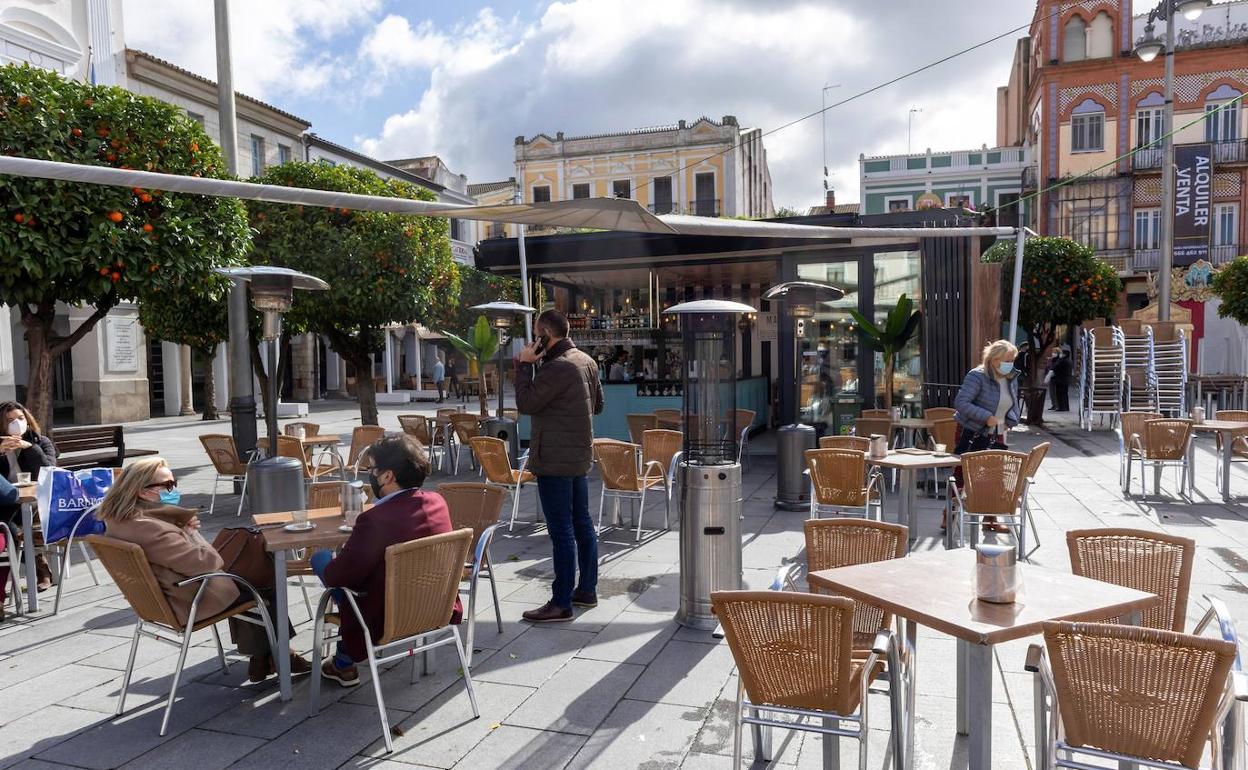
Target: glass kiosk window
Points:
(828, 350)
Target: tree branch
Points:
(65, 343)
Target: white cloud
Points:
(393, 43)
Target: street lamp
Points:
(1148, 48)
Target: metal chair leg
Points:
(498, 613)
(212, 501)
(125, 678)
(86, 557)
(216, 635)
(177, 677)
(381, 703)
(463, 663)
(472, 613)
(242, 496)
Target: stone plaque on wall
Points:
(121, 342)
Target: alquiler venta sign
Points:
(1193, 202)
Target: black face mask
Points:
(375, 484)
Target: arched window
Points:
(1221, 115)
(1087, 127)
(1101, 37)
(1075, 40)
(1149, 121)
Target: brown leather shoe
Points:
(584, 599)
(259, 668)
(548, 613)
(299, 665)
(347, 677)
(43, 573)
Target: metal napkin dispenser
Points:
(998, 578)
(879, 446)
(352, 498)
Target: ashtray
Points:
(344, 527)
(296, 527)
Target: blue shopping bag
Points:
(63, 496)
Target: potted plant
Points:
(1064, 284)
(899, 326)
(478, 346)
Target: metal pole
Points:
(1020, 239)
(1167, 175)
(500, 368)
(242, 395)
(524, 292)
(270, 408)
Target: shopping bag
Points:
(63, 496)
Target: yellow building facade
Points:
(704, 168)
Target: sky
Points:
(462, 79)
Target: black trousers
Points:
(249, 638)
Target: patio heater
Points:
(710, 471)
(800, 298)
(502, 314)
(275, 483)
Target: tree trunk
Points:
(210, 385)
(366, 391)
(888, 381)
(258, 368)
(483, 390)
(39, 382)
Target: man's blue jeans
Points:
(565, 504)
(319, 561)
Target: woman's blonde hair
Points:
(998, 351)
(122, 500)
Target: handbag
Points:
(242, 550)
(68, 499)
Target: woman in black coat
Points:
(23, 449)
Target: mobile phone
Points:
(542, 342)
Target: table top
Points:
(936, 589)
(306, 440)
(324, 533)
(285, 517)
(904, 460)
(26, 492)
(913, 423)
(1220, 426)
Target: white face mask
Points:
(17, 427)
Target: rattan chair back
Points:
(993, 481)
(473, 506)
(416, 426)
(491, 454)
(668, 418)
(289, 446)
(832, 543)
(1158, 563)
(1166, 439)
(131, 571)
(660, 446)
(309, 428)
(791, 649)
(871, 426)
(1239, 438)
(944, 431)
(466, 426)
(857, 443)
(638, 424)
(740, 419)
(448, 411)
(1132, 424)
(939, 413)
(325, 494)
(1036, 456)
(223, 454)
(617, 462)
(1231, 415)
(876, 413)
(1137, 691)
(839, 476)
(422, 581)
(362, 437)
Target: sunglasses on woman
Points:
(168, 486)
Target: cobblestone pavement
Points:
(622, 686)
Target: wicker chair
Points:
(994, 485)
(156, 619)
(936, 413)
(362, 437)
(1146, 561)
(833, 543)
(944, 432)
(639, 424)
(491, 457)
(661, 451)
(869, 426)
(1107, 692)
(669, 419)
(13, 561)
(1130, 424)
(1034, 459)
(877, 413)
(419, 427)
(325, 494)
(622, 479)
(840, 481)
(422, 583)
(1163, 442)
(859, 443)
(795, 658)
(309, 429)
(289, 446)
(1239, 438)
(740, 422)
(228, 465)
(477, 507)
(465, 427)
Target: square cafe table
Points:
(937, 589)
(279, 542)
(906, 462)
(1226, 429)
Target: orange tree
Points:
(1064, 284)
(381, 268)
(1231, 285)
(96, 245)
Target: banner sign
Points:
(1193, 202)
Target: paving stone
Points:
(685, 674)
(509, 746)
(533, 658)
(632, 637)
(56, 685)
(327, 740)
(200, 749)
(44, 729)
(637, 734)
(577, 698)
(399, 690)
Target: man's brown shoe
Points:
(347, 677)
(584, 599)
(548, 613)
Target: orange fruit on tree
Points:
(76, 132)
(116, 277)
(115, 216)
(194, 146)
(19, 218)
(145, 198)
(147, 228)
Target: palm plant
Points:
(478, 346)
(899, 326)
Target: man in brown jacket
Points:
(557, 386)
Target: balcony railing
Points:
(1029, 178)
(1149, 260)
(698, 208)
(668, 207)
(1235, 151)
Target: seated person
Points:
(8, 496)
(23, 449)
(142, 508)
(402, 513)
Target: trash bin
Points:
(710, 539)
(792, 488)
(846, 408)
(504, 428)
(276, 485)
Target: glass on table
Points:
(23, 478)
(299, 518)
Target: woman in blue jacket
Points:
(987, 404)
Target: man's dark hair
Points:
(555, 321)
(403, 456)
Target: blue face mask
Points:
(170, 496)
(1005, 367)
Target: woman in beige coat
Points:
(142, 508)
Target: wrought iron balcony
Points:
(705, 207)
(1234, 151)
(664, 207)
